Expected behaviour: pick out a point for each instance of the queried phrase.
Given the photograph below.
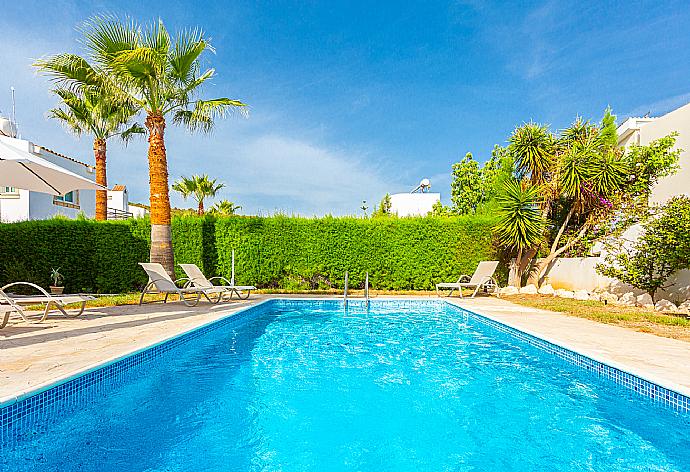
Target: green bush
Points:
(278, 252)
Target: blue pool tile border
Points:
(662, 396)
(40, 407)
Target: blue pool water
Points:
(309, 387)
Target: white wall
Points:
(579, 273)
(118, 200)
(645, 130)
(413, 204)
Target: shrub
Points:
(662, 250)
(278, 251)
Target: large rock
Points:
(546, 290)
(530, 289)
(645, 301)
(607, 297)
(509, 290)
(684, 307)
(581, 295)
(627, 299)
(595, 297)
(665, 306)
(564, 293)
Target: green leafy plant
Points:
(56, 277)
(466, 187)
(385, 206)
(662, 250)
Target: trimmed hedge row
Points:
(280, 252)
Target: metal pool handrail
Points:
(345, 292)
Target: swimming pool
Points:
(304, 385)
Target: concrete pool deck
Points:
(33, 356)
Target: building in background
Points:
(644, 130)
(119, 207)
(19, 205)
(418, 202)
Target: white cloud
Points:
(272, 172)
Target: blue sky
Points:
(350, 100)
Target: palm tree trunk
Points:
(161, 237)
(200, 210)
(101, 178)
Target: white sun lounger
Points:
(161, 283)
(198, 279)
(483, 277)
(12, 303)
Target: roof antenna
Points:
(14, 112)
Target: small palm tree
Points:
(199, 187)
(162, 76)
(90, 108)
(225, 208)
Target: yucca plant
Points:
(533, 148)
(520, 223)
(198, 187)
(161, 75)
(93, 107)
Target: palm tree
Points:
(90, 108)
(225, 208)
(162, 76)
(199, 187)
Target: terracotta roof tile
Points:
(64, 157)
(119, 188)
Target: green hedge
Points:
(280, 252)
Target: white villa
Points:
(20, 205)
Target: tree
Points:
(583, 180)
(385, 206)
(162, 76)
(225, 208)
(466, 187)
(199, 187)
(439, 209)
(91, 108)
(495, 172)
(520, 224)
(662, 250)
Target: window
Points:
(9, 192)
(70, 199)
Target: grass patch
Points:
(648, 321)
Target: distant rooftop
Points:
(119, 188)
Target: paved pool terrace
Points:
(35, 356)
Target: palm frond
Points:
(106, 36)
(202, 116)
(69, 71)
(135, 130)
(189, 44)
